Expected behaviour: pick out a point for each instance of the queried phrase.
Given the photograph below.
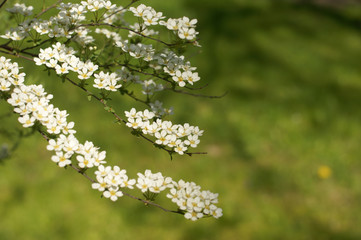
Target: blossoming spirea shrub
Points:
(92, 46)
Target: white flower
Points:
(99, 158)
(4, 85)
(113, 193)
(134, 123)
(61, 159)
(26, 120)
(187, 33)
(85, 162)
(193, 215)
(143, 183)
(127, 182)
(63, 69)
(192, 141)
(100, 185)
(54, 145)
(139, 11)
(161, 137)
(103, 171)
(179, 78)
(180, 148)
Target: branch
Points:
(122, 120)
(27, 48)
(131, 30)
(47, 9)
(80, 171)
(98, 99)
(2, 4)
(16, 55)
(195, 94)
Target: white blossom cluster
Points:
(184, 27)
(150, 87)
(34, 106)
(20, 8)
(63, 24)
(70, 17)
(63, 60)
(187, 195)
(160, 111)
(196, 203)
(110, 181)
(148, 14)
(180, 70)
(177, 137)
(31, 102)
(153, 182)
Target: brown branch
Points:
(2, 4)
(122, 120)
(80, 171)
(137, 99)
(32, 47)
(198, 88)
(47, 9)
(97, 98)
(195, 94)
(15, 52)
(125, 28)
(101, 101)
(131, 30)
(16, 55)
(144, 73)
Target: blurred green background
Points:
(293, 76)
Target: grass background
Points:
(293, 76)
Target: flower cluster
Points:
(184, 27)
(165, 132)
(153, 182)
(110, 181)
(31, 102)
(131, 63)
(148, 14)
(160, 111)
(196, 203)
(21, 9)
(70, 17)
(33, 105)
(63, 60)
(96, 5)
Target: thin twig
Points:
(47, 9)
(131, 30)
(195, 94)
(80, 171)
(98, 99)
(47, 40)
(122, 120)
(2, 4)
(16, 55)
